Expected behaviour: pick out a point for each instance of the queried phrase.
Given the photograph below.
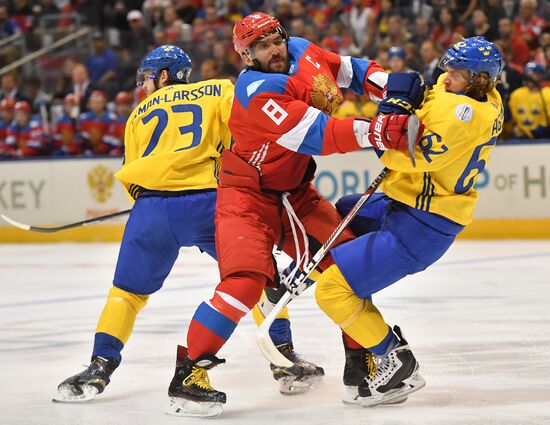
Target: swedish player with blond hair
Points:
(413, 223)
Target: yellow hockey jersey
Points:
(530, 109)
(459, 135)
(174, 138)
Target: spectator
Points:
(530, 105)
(397, 34)
(528, 25)
(445, 29)
(225, 58)
(139, 38)
(81, 87)
(102, 64)
(152, 11)
(9, 88)
(171, 25)
(297, 28)
(209, 70)
(26, 136)
(421, 31)
(397, 59)
(362, 25)
(430, 59)
(519, 49)
(40, 100)
(187, 12)
(479, 26)
(46, 7)
(8, 27)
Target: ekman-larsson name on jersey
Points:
(167, 97)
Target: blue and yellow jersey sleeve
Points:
(174, 138)
(459, 135)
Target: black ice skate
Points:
(190, 391)
(355, 372)
(299, 378)
(391, 376)
(87, 384)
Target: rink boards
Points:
(514, 193)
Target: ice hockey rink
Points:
(478, 322)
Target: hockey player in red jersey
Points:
(26, 137)
(6, 118)
(67, 140)
(281, 117)
(123, 108)
(95, 125)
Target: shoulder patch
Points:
(252, 87)
(464, 112)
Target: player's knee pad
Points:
(237, 294)
(334, 296)
(359, 318)
(119, 313)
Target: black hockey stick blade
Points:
(65, 227)
(413, 126)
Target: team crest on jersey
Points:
(325, 95)
(100, 181)
(464, 112)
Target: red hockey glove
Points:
(390, 132)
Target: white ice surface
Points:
(478, 322)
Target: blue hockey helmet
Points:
(475, 55)
(533, 66)
(169, 57)
(397, 52)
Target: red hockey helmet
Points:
(253, 27)
(123, 98)
(22, 105)
(99, 94)
(7, 104)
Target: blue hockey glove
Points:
(404, 93)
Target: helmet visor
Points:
(144, 74)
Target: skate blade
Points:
(290, 386)
(193, 409)
(351, 398)
(412, 384)
(66, 395)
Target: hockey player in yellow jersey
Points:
(173, 143)
(412, 224)
(530, 105)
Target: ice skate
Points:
(190, 392)
(299, 378)
(86, 385)
(355, 372)
(391, 376)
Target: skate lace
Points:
(378, 367)
(372, 366)
(199, 377)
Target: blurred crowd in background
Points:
(67, 68)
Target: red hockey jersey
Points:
(279, 120)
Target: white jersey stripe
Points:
(233, 302)
(379, 79)
(294, 138)
(345, 73)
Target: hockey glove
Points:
(404, 93)
(385, 132)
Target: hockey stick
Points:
(413, 126)
(263, 339)
(66, 226)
